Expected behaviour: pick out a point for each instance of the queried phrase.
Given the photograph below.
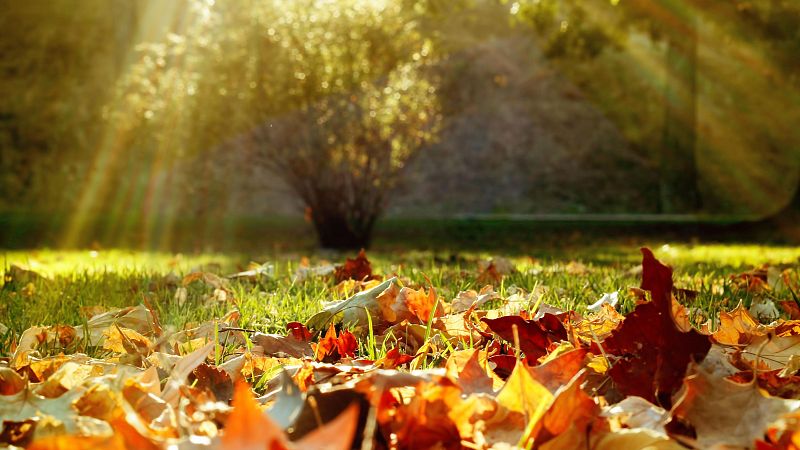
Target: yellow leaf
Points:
(523, 394)
(125, 340)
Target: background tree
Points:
(335, 97)
(60, 62)
(760, 31)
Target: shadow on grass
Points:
(603, 240)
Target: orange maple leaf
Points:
(335, 347)
(248, 428)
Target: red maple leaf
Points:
(393, 359)
(653, 352)
(358, 269)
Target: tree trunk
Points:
(335, 231)
(678, 191)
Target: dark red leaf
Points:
(298, 331)
(535, 336)
(358, 269)
(504, 365)
(653, 353)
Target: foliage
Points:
(619, 53)
(512, 370)
(60, 62)
(333, 97)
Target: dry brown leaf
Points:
(392, 309)
(471, 299)
(724, 413)
(136, 318)
(281, 346)
(770, 351)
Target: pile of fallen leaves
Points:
(454, 375)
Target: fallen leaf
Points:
(737, 327)
(652, 352)
(466, 300)
(420, 304)
(26, 405)
(636, 439)
(469, 369)
(770, 351)
(393, 359)
(333, 347)
(636, 412)
(523, 394)
(125, 340)
(597, 326)
(11, 382)
(207, 278)
(136, 318)
(489, 274)
(572, 412)
(68, 376)
(67, 442)
(255, 272)
(535, 336)
(724, 413)
(353, 312)
(248, 427)
(558, 371)
(771, 382)
(305, 271)
(337, 434)
(425, 421)
(181, 370)
(358, 269)
(764, 310)
(298, 331)
(214, 380)
(282, 346)
(791, 308)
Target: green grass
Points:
(117, 278)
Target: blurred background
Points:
(202, 124)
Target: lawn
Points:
(72, 282)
